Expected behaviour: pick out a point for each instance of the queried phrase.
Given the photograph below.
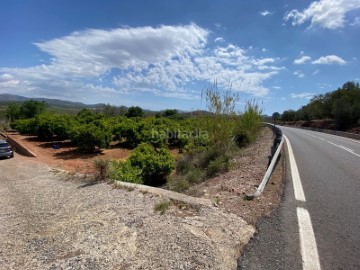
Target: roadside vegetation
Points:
(206, 142)
(339, 109)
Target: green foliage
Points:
(218, 165)
(250, 123)
(276, 116)
(289, 115)
(12, 112)
(87, 116)
(155, 164)
(134, 112)
(89, 136)
(222, 121)
(171, 113)
(343, 105)
(145, 165)
(32, 108)
(207, 156)
(28, 109)
(50, 124)
(124, 171)
(25, 126)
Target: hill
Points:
(8, 98)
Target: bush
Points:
(184, 163)
(195, 176)
(102, 167)
(124, 171)
(219, 165)
(89, 136)
(250, 124)
(155, 164)
(178, 183)
(25, 126)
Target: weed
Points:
(162, 207)
(102, 167)
(219, 165)
(195, 176)
(178, 183)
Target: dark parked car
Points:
(5, 149)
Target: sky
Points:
(164, 53)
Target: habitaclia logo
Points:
(168, 134)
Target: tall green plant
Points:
(221, 122)
(250, 122)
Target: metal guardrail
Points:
(275, 153)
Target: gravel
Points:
(53, 220)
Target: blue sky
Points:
(162, 54)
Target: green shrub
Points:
(124, 171)
(250, 123)
(208, 156)
(178, 183)
(219, 165)
(195, 176)
(184, 164)
(89, 136)
(155, 164)
(25, 126)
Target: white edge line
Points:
(309, 251)
(298, 189)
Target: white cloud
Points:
(299, 74)
(265, 13)
(329, 60)
(303, 95)
(302, 60)
(165, 61)
(263, 49)
(6, 77)
(324, 13)
(219, 39)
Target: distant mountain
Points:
(6, 98)
(9, 97)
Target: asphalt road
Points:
(329, 170)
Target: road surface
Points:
(317, 226)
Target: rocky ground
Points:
(55, 220)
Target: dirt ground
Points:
(67, 157)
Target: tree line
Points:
(341, 105)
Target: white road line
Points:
(332, 135)
(344, 148)
(298, 190)
(337, 145)
(309, 251)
